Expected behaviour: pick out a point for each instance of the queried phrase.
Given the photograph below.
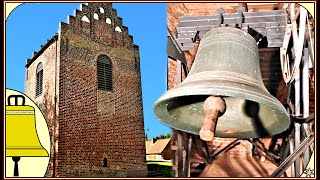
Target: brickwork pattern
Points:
(174, 11)
(101, 133)
(312, 92)
(45, 101)
(196, 9)
(172, 73)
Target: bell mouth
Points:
(250, 111)
(26, 152)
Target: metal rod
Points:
(240, 15)
(297, 90)
(296, 144)
(207, 151)
(297, 84)
(225, 148)
(269, 154)
(297, 94)
(167, 74)
(291, 146)
(305, 84)
(188, 153)
(199, 149)
(284, 149)
(220, 12)
(310, 118)
(185, 68)
(305, 100)
(297, 152)
(179, 72)
(290, 131)
(180, 154)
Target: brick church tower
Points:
(86, 80)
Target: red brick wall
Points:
(172, 73)
(46, 100)
(174, 10)
(95, 125)
(312, 92)
(100, 124)
(200, 9)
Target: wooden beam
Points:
(298, 41)
(285, 67)
(310, 43)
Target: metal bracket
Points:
(301, 120)
(180, 155)
(188, 154)
(196, 37)
(229, 146)
(270, 155)
(220, 12)
(240, 11)
(173, 49)
(206, 156)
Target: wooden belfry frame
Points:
(280, 27)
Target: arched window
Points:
(101, 10)
(108, 21)
(85, 19)
(96, 16)
(118, 29)
(39, 79)
(104, 73)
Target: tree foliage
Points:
(162, 136)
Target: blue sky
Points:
(31, 24)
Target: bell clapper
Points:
(214, 107)
(16, 169)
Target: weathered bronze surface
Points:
(226, 65)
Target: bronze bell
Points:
(226, 65)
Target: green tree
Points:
(162, 136)
(168, 135)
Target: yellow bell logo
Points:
(21, 134)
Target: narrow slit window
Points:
(135, 64)
(104, 73)
(105, 162)
(27, 74)
(39, 79)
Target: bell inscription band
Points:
(226, 65)
(21, 134)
